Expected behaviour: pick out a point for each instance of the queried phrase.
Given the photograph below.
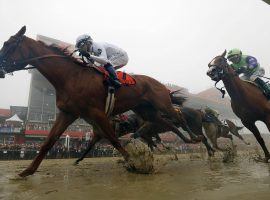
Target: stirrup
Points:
(117, 83)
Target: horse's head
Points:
(218, 67)
(13, 52)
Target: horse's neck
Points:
(55, 69)
(234, 86)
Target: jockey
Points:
(249, 67)
(212, 115)
(107, 55)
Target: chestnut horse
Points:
(247, 100)
(80, 93)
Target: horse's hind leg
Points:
(62, 122)
(167, 108)
(237, 134)
(153, 116)
(253, 128)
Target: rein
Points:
(17, 63)
(223, 92)
(41, 57)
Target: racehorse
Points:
(195, 118)
(247, 100)
(80, 93)
(214, 131)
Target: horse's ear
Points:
(224, 53)
(21, 32)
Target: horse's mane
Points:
(64, 51)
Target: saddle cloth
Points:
(123, 77)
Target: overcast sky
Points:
(172, 41)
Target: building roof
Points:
(14, 118)
(5, 112)
(45, 133)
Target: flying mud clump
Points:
(141, 158)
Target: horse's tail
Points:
(177, 99)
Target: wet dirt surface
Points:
(104, 178)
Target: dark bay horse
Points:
(196, 120)
(149, 130)
(247, 101)
(80, 93)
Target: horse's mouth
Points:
(214, 77)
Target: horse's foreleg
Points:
(91, 144)
(210, 150)
(62, 122)
(253, 128)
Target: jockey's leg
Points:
(263, 85)
(113, 75)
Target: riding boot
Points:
(113, 75)
(264, 86)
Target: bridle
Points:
(221, 73)
(7, 66)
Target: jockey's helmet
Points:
(234, 55)
(83, 39)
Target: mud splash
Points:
(104, 178)
(229, 154)
(142, 159)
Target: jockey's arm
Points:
(252, 63)
(102, 58)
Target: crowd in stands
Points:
(48, 126)
(9, 125)
(59, 150)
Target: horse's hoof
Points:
(176, 157)
(17, 177)
(24, 174)
(76, 163)
(263, 160)
(211, 153)
(198, 138)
